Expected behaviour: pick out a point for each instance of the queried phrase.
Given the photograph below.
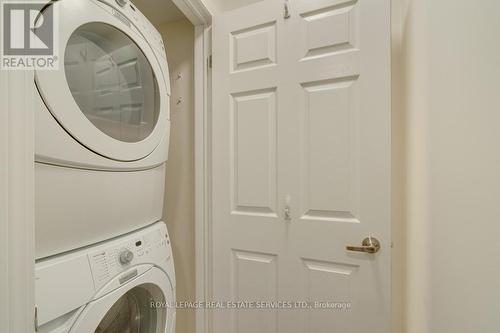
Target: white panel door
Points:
(301, 165)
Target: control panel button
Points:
(126, 256)
(122, 2)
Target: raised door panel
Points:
(328, 30)
(253, 47)
(253, 140)
(254, 282)
(329, 150)
(328, 289)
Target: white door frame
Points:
(202, 108)
(17, 228)
(201, 18)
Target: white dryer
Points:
(102, 127)
(123, 285)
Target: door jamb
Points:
(201, 18)
(17, 222)
(203, 99)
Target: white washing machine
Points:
(125, 285)
(102, 127)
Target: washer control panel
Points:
(151, 246)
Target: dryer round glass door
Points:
(112, 82)
(133, 312)
(110, 92)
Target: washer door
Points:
(139, 306)
(109, 93)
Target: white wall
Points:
(179, 202)
(450, 61)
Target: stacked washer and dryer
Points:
(104, 262)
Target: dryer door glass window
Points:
(112, 82)
(141, 310)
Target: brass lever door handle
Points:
(369, 245)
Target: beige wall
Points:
(179, 203)
(398, 174)
(450, 62)
(410, 178)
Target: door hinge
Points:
(286, 10)
(287, 210)
(287, 213)
(35, 320)
(209, 61)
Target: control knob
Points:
(126, 256)
(122, 2)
